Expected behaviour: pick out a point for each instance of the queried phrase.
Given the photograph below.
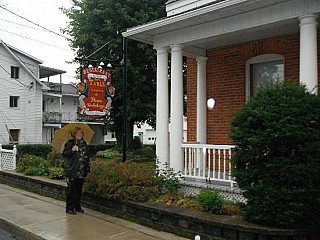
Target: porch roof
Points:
(225, 23)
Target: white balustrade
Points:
(208, 162)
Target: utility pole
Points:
(124, 117)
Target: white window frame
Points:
(18, 101)
(259, 59)
(15, 72)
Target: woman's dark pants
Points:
(74, 192)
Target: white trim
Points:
(259, 59)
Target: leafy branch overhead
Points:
(95, 23)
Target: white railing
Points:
(8, 158)
(208, 162)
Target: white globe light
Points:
(197, 237)
(210, 103)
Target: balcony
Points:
(54, 87)
(52, 117)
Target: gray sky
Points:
(52, 49)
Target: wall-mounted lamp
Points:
(211, 103)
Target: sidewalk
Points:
(45, 218)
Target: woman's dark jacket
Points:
(77, 161)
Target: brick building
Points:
(232, 48)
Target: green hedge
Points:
(277, 160)
(40, 150)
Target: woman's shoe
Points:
(80, 210)
(71, 211)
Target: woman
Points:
(76, 167)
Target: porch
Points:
(207, 166)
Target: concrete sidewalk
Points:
(45, 218)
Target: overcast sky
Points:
(52, 49)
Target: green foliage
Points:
(34, 171)
(93, 149)
(92, 25)
(32, 165)
(136, 144)
(178, 199)
(40, 150)
(210, 200)
(169, 181)
(55, 159)
(109, 154)
(31, 161)
(56, 173)
(277, 160)
(129, 180)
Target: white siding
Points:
(27, 117)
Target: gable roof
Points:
(22, 52)
(11, 50)
(43, 71)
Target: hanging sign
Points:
(95, 92)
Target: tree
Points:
(277, 160)
(93, 23)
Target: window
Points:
(15, 72)
(263, 70)
(14, 135)
(14, 101)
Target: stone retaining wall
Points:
(183, 222)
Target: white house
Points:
(33, 109)
(148, 134)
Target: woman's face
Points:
(79, 134)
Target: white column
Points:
(308, 52)
(201, 100)
(176, 128)
(162, 144)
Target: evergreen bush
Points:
(277, 160)
(210, 200)
(40, 150)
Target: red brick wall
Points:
(226, 81)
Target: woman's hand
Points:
(75, 148)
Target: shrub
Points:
(129, 180)
(110, 154)
(55, 159)
(32, 161)
(56, 173)
(181, 200)
(34, 171)
(210, 200)
(39, 150)
(277, 160)
(136, 144)
(93, 149)
(168, 180)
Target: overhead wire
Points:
(29, 64)
(23, 25)
(35, 40)
(42, 28)
(34, 23)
